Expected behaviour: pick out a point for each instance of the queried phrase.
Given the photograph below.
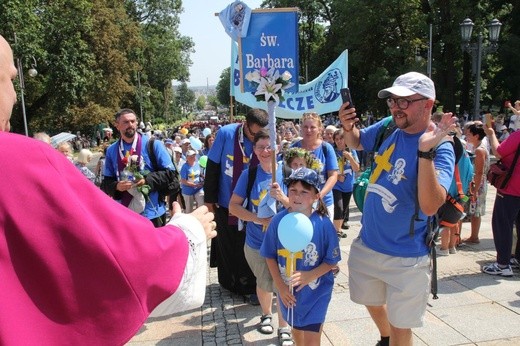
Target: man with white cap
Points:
(389, 265)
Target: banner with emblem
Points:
(271, 43)
(321, 95)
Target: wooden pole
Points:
(230, 109)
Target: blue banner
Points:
(320, 95)
(271, 42)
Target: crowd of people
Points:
(137, 222)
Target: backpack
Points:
(164, 181)
(361, 183)
(452, 210)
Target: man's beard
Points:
(129, 133)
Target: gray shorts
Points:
(402, 283)
(258, 266)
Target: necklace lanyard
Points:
(122, 148)
(241, 143)
(122, 153)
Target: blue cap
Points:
(305, 174)
(168, 141)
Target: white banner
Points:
(320, 95)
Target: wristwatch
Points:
(428, 155)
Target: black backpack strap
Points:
(151, 153)
(251, 176)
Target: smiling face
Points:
(416, 117)
(301, 198)
(7, 75)
(263, 150)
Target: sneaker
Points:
(443, 252)
(494, 269)
(513, 262)
(452, 250)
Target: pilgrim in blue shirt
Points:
(154, 207)
(345, 168)
(313, 300)
(328, 163)
(191, 174)
(260, 189)
(222, 152)
(392, 193)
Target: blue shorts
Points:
(310, 327)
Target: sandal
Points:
(265, 325)
(342, 234)
(285, 336)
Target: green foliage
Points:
(223, 86)
(88, 55)
(185, 98)
(200, 103)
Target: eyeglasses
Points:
(262, 148)
(249, 130)
(402, 103)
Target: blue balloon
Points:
(295, 231)
(195, 143)
(206, 132)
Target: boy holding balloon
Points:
(301, 249)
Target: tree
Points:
(223, 86)
(185, 98)
(200, 104)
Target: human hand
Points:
(288, 299)
(276, 192)
(300, 279)
(211, 207)
(205, 218)
(435, 133)
(347, 116)
(264, 221)
(124, 185)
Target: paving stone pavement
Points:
(473, 308)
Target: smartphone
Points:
(345, 96)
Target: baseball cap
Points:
(168, 141)
(305, 174)
(185, 141)
(177, 149)
(191, 152)
(408, 84)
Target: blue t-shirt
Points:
(154, 207)
(222, 152)
(313, 300)
(261, 186)
(345, 168)
(328, 163)
(392, 193)
(191, 174)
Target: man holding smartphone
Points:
(389, 266)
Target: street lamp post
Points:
(477, 50)
(32, 72)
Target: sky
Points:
(212, 44)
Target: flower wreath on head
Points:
(270, 84)
(311, 161)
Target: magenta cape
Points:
(76, 267)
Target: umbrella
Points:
(61, 137)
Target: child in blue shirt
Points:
(192, 182)
(304, 295)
